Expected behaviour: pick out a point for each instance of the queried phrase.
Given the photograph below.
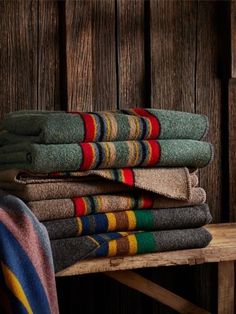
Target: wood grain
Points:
(233, 37)
(90, 52)
(226, 283)
(232, 148)
(208, 99)
(173, 54)
(48, 93)
(18, 61)
(78, 15)
(131, 62)
(158, 293)
(221, 248)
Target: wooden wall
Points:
(105, 54)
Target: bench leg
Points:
(139, 283)
(226, 287)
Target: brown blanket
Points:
(85, 205)
(174, 183)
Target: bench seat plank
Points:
(221, 248)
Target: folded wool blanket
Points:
(107, 126)
(106, 155)
(67, 252)
(85, 205)
(145, 220)
(41, 191)
(27, 280)
(174, 183)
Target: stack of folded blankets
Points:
(109, 183)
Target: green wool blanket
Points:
(152, 219)
(106, 155)
(67, 252)
(108, 126)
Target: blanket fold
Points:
(26, 269)
(67, 252)
(174, 183)
(106, 155)
(86, 205)
(153, 219)
(108, 126)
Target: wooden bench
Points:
(221, 250)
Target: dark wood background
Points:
(105, 54)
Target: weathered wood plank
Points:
(91, 66)
(173, 54)
(131, 62)
(48, 56)
(226, 283)
(233, 37)
(232, 148)
(158, 293)
(18, 49)
(104, 55)
(221, 248)
(78, 16)
(208, 99)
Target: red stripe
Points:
(128, 175)
(55, 174)
(147, 202)
(88, 156)
(89, 127)
(79, 205)
(155, 153)
(155, 124)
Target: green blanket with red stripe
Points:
(59, 127)
(106, 155)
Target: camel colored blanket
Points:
(145, 220)
(86, 205)
(173, 183)
(67, 252)
(48, 127)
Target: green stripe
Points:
(144, 219)
(146, 242)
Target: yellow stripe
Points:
(79, 226)
(94, 156)
(112, 248)
(123, 233)
(131, 219)
(99, 204)
(111, 221)
(92, 239)
(133, 246)
(95, 128)
(108, 127)
(15, 286)
(107, 157)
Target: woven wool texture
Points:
(159, 219)
(68, 251)
(106, 155)
(173, 183)
(86, 205)
(26, 269)
(134, 124)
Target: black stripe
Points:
(102, 127)
(143, 127)
(100, 155)
(144, 152)
(91, 203)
